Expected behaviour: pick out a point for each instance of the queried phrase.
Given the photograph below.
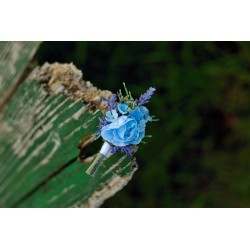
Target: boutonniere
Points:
(123, 125)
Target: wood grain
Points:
(14, 61)
(40, 131)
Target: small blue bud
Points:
(123, 108)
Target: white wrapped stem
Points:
(98, 160)
(105, 149)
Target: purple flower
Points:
(104, 122)
(111, 102)
(146, 96)
(126, 149)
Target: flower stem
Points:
(95, 165)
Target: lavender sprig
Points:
(144, 98)
(126, 149)
(104, 122)
(112, 104)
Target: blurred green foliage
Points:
(199, 153)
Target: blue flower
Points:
(123, 108)
(141, 113)
(125, 130)
(111, 115)
(145, 114)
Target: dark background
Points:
(199, 153)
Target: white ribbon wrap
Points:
(105, 149)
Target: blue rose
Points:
(124, 131)
(145, 114)
(141, 113)
(127, 130)
(123, 108)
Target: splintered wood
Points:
(68, 80)
(41, 131)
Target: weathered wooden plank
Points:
(14, 59)
(73, 187)
(40, 131)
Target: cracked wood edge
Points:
(68, 80)
(82, 190)
(110, 188)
